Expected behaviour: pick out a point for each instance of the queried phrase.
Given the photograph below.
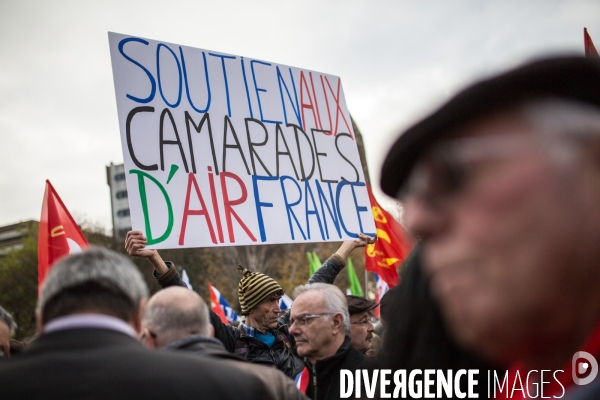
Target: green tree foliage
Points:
(18, 284)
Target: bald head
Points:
(173, 314)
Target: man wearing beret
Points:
(502, 187)
(361, 322)
(263, 337)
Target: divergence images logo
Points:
(584, 364)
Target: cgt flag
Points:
(58, 234)
(391, 248)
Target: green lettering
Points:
(142, 189)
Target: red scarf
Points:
(560, 382)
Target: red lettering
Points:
(312, 84)
(338, 108)
(228, 205)
(187, 212)
(309, 105)
(326, 102)
(213, 194)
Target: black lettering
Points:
(136, 110)
(339, 135)
(198, 128)
(312, 153)
(164, 142)
(251, 145)
(278, 133)
(320, 154)
(232, 146)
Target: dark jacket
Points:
(94, 363)
(282, 353)
(277, 383)
(324, 383)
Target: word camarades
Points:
(228, 150)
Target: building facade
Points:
(119, 201)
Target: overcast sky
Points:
(398, 60)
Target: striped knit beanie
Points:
(254, 288)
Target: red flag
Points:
(58, 234)
(590, 49)
(215, 304)
(391, 248)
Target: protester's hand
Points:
(135, 243)
(349, 245)
(364, 240)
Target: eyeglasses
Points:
(364, 321)
(446, 168)
(302, 320)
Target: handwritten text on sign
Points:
(228, 150)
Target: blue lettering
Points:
(337, 200)
(246, 86)
(297, 108)
(308, 191)
(332, 213)
(260, 204)
(150, 77)
(223, 57)
(288, 205)
(187, 85)
(359, 209)
(173, 105)
(257, 89)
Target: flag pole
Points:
(366, 284)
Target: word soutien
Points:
(222, 149)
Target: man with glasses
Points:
(320, 324)
(502, 187)
(263, 337)
(361, 322)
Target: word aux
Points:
(400, 384)
(223, 150)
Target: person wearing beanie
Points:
(263, 337)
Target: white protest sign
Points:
(229, 150)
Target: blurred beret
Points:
(357, 304)
(571, 78)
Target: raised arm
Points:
(334, 264)
(164, 271)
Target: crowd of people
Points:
(501, 188)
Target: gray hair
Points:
(8, 320)
(173, 316)
(98, 266)
(335, 300)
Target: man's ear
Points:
(338, 323)
(149, 341)
(137, 320)
(211, 330)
